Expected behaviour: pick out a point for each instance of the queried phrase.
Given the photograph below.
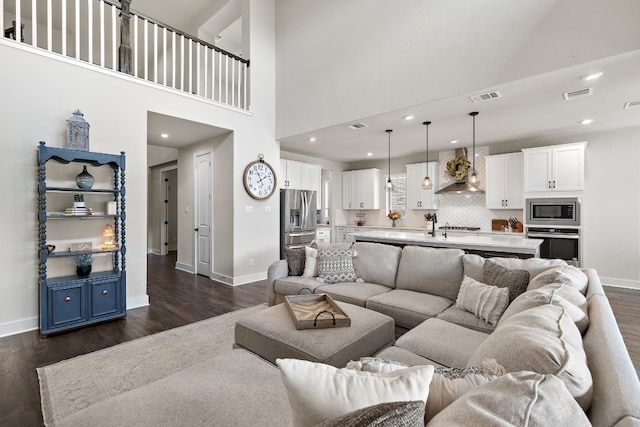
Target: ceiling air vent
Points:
(357, 126)
(486, 96)
(580, 93)
(631, 104)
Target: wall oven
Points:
(563, 243)
(555, 212)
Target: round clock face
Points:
(259, 179)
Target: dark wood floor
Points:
(177, 298)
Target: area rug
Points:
(69, 386)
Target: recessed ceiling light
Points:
(454, 141)
(369, 154)
(409, 117)
(592, 76)
(312, 139)
(164, 135)
(586, 121)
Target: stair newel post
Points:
(124, 50)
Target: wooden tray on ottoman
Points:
(315, 312)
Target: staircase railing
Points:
(107, 33)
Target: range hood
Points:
(460, 187)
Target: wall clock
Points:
(259, 179)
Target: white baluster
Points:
(206, 71)
(34, 23)
(114, 34)
(64, 27)
(190, 66)
(182, 62)
(77, 11)
(101, 3)
(17, 29)
(197, 68)
(233, 82)
(146, 49)
(135, 45)
(155, 52)
(173, 59)
(90, 30)
(219, 76)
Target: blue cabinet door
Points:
(67, 303)
(104, 296)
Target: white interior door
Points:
(203, 213)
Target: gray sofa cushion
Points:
(377, 263)
(430, 270)
(355, 293)
(541, 339)
(515, 281)
(565, 274)
(407, 357)
(295, 260)
(473, 265)
(454, 343)
(408, 308)
(519, 399)
(464, 318)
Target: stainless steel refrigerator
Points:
(297, 218)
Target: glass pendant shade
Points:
(473, 179)
(389, 184)
(426, 182)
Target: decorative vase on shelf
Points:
(84, 179)
(83, 270)
(393, 222)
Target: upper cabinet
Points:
(505, 176)
(361, 189)
(417, 197)
(301, 176)
(555, 168)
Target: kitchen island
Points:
(487, 246)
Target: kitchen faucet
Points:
(446, 225)
(434, 219)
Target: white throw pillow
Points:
(319, 392)
(485, 301)
(310, 262)
(568, 274)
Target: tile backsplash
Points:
(467, 210)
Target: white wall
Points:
(42, 91)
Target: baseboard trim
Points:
(19, 326)
(620, 283)
(184, 267)
(243, 280)
(135, 302)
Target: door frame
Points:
(162, 206)
(196, 154)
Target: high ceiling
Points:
(532, 108)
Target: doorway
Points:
(203, 169)
(169, 211)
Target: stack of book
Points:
(78, 211)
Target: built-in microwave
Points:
(556, 211)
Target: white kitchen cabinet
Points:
(555, 168)
(323, 235)
(505, 177)
(361, 189)
(341, 234)
(417, 197)
(301, 176)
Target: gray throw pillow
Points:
(336, 265)
(295, 260)
(515, 280)
(391, 414)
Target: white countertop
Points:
(502, 242)
(439, 230)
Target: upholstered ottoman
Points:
(271, 334)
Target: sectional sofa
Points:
(560, 325)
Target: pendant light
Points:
(389, 184)
(473, 179)
(426, 182)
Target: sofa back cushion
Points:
(559, 294)
(377, 263)
(568, 274)
(473, 265)
(431, 270)
(545, 340)
(518, 399)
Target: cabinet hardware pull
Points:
(67, 299)
(554, 184)
(549, 185)
(104, 292)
